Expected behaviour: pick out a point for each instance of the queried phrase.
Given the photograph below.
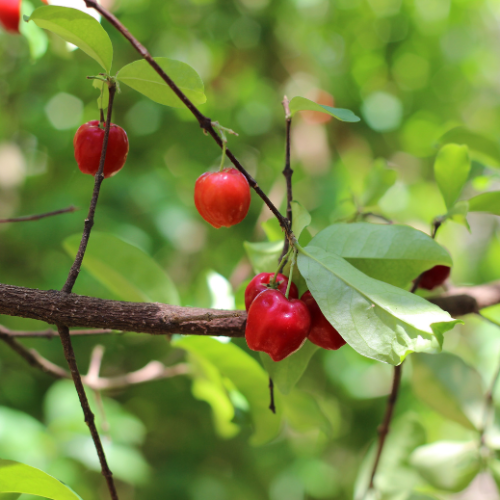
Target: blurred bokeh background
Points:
(411, 69)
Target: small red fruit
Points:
(10, 14)
(322, 332)
(277, 325)
(222, 198)
(88, 145)
(261, 282)
(434, 277)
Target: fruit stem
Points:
(272, 283)
(292, 264)
(223, 157)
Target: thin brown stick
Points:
(27, 218)
(50, 333)
(63, 330)
(384, 428)
(154, 370)
(205, 122)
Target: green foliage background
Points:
(413, 70)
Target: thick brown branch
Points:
(88, 312)
(26, 218)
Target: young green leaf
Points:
(249, 378)
(449, 386)
(287, 373)
(387, 252)
(377, 182)
(103, 99)
(482, 148)
(264, 256)
(458, 213)
(378, 320)
(447, 465)
(20, 478)
(140, 76)
(300, 218)
(78, 28)
(124, 269)
(301, 103)
(486, 202)
(451, 169)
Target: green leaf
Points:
(124, 269)
(78, 28)
(9, 496)
(20, 478)
(103, 99)
(273, 229)
(451, 170)
(37, 38)
(248, 377)
(447, 465)
(140, 76)
(494, 468)
(264, 256)
(378, 320)
(482, 148)
(458, 213)
(394, 476)
(287, 373)
(301, 104)
(387, 252)
(300, 218)
(449, 386)
(377, 182)
(486, 202)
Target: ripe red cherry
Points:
(322, 332)
(277, 325)
(222, 198)
(88, 145)
(434, 277)
(261, 282)
(10, 14)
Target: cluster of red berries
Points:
(278, 325)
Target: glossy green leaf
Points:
(248, 377)
(378, 320)
(124, 269)
(486, 202)
(20, 478)
(394, 476)
(140, 76)
(78, 28)
(377, 182)
(387, 252)
(300, 218)
(447, 465)
(9, 496)
(451, 170)
(37, 38)
(482, 148)
(103, 99)
(301, 104)
(449, 386)
(287, 373)
(264, 257)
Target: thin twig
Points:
(272, 406)
(50, 333)
(68, 287)
(154, 370)
(377, 216)
(26, 218)
(205, 122)
(384, 428)
(391, 401)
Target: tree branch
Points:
(154, 370)
(160, 319)
(26, 218)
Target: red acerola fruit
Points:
(10, 15)
(434, 277)
(276, 325)
(222, 198)
(261, 283)
(322, 332)
(88, 145)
